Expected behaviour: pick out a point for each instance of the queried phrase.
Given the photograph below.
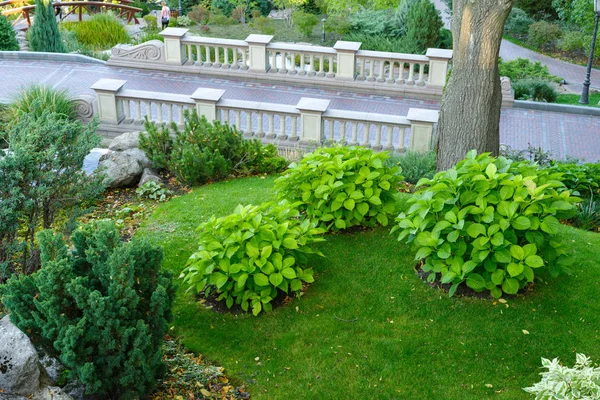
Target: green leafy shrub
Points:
(143, 5)
(154, 191)
(44, 34)
(379, 42)
(103, 306)
(518, 22)
(446, 39)
(184, 21)
(489, 222)
(199, 14)
(204, 151)
(338, 24)
(522, 68)
(584, 179)
(414, 165)
(263, 25)
(537, 9)
(151, 22)
(252, 255)
(536, 90)
(424, 24)
(224, 7)
(149, 35)
(342, 187)
(8, 36)
(544, 34)
(100, 32)
(218, 18)
(563, 383)
(305, 22)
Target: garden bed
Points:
(369, 327)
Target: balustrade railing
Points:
(343, 65)
(310, 121)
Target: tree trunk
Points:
(470, 109)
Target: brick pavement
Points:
(562, 134)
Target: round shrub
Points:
(305, 22)
(251, 256)
(544, 34)
(536, 90)
(100, 32)
(342, 187)
(489, 222)
(8, 36)
(518, 22)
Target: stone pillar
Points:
(346, 59)
(438, 66)
(206, 102)
(110, 108)
(259, 56)
(174, 49)
(311, 119)
(421, 128)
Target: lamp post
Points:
(586, 84)
(180, 9)
(323, 31)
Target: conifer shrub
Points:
(205, 151)
(102, 306)
(44, 34)
(252, 255)
(424, 25)
(8, 36)
(490, 223)
(342, 187)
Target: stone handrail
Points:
(310, 121)
(342, 66)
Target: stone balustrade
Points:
(309, 122)
(342, 66)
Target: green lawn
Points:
(573, 99)
(406, 340)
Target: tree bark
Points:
(470, 108)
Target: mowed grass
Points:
(369, 328)
(573, 99)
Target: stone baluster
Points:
(367, 133)
(411, 74)
(180, 114)
(381, 77)
(421, 81)
(160, 112)
(389, 129)
(259, 125)
(170, 111)
(138, 111)
(400, 79)
(248, 130)
(294, 135)
(311, 66)
(363, 73)
(354, 139)
(127, 109)
(302, 65)
(377, 145)
(271, 131)
(371, 70)
(330, 73)
(401, 135)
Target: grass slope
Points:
(406, 341)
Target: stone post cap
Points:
(108, 85)
(174, 32)
(259, 39)
(308, 104)
(439, 53)
(421, 115)
(342, 45)
(208, 94)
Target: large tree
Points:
(470, 109)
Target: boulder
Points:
(149, 175)
(19, 362)
(140, 156)
(125, 141)
(75, 389)
(52, 367)
(120, 169)
(51, 393)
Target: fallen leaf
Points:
(525, 332)
(488, 385)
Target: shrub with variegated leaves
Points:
(489, 222)
(342, 187)
(251, 256)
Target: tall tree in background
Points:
(44, 35)
(470, 109)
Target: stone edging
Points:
(42, 56)
(552, 107)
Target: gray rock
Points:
(140, 156)
(52, 367)
(149, 175)
(51, 393)
(19, 362)
(75, 389)
(90, 162)
(120, 169)
(6, 396)
(125, 141)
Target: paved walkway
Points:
(562, 134)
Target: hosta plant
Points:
(564, 383)
(342, 187)
(252, 255)
(489, 222)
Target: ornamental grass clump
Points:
(489, 222)
(342, 187)
(250, 257)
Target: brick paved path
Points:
(562, 134)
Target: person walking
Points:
(165, 14)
